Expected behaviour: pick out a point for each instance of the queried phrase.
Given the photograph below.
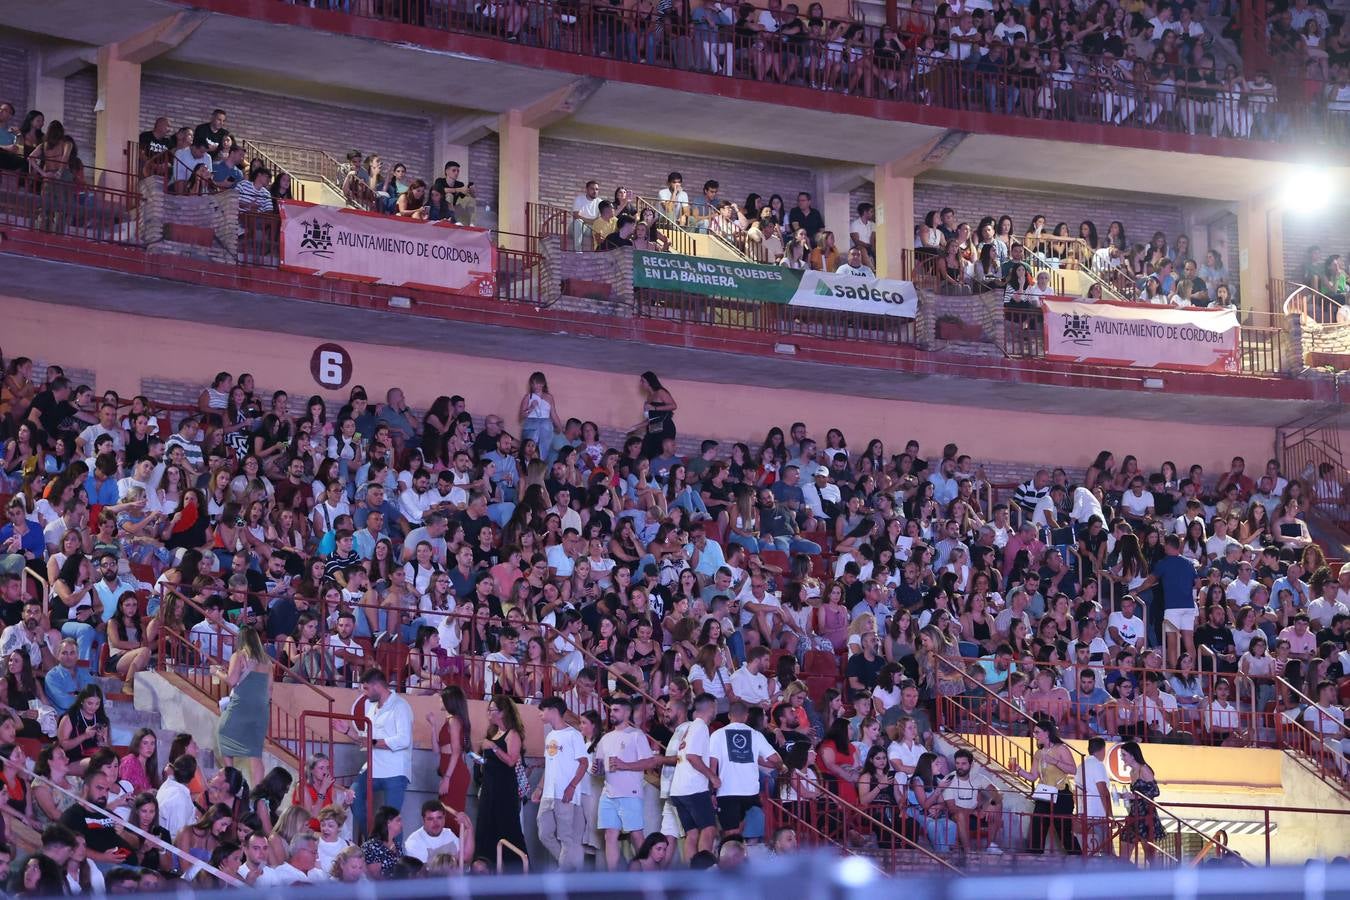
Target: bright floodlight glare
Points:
(1307, 189)
(855, 872)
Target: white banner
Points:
(1141, 334)
(370, 247)
(873, 296)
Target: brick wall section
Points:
(566, 166)
(14, 79)
(81, 95)
(286, 120)
(263, 117)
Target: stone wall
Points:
(160, 212)
(1315, 345)
(984, 310)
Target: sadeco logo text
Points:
(849, 292)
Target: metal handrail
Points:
(672, 228)
(872, 820)
(1297, 302)
(362, 723)
(503, 843)
(1157, 807)
(186, 860)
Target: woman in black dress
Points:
(499, 798)
(659, 411)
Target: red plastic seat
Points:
(776, 558)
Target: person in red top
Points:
(1236, 475)
(451, 741)
(318, 789)
(837, 762)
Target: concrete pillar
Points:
(894, 200)
(117, 113)
(517, 171)
(1260, 253)
(831, 198)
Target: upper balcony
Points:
(632, 79)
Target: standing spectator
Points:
(391, 727)
(624, 754)
(1051, 766)
(1096, 789)
(694, 779)
(503, 751)
(737, 754)
(565, 766)
(243, 723)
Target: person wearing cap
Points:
(820, 492)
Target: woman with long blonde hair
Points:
(243, 724)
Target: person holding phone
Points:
(102, 833)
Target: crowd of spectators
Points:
(994, 255)
(763, 228)
(209, 158)
(1143, 63)
(640, 599)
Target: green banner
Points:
(714, 277)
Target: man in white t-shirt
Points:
(1096, 788)
(349, 657)
(434, 837)
(1221, 540)
(558, 795)
(738, 752)
(861, 230)
(1239, 590)
(674, 200)
(974, 803)
(254, 869)
(1046, 514)
(563, 555)
(625, 754)
(694, 780)
(1125, 628)
(855, 265)
(1328, 720)
(1157, 708)
(749, 683)
(301, 867)
(585, 210)
(1136, 504)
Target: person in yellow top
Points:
(1051, 766)
(603, 226)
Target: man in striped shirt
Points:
(1030, 492)
(254, 193)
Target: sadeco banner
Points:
(1203, 340)
(714, 277)
(773, 284)
(348, 243)
(873, 296)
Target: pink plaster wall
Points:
(130, 349)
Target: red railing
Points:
(881, 834)
(1231, 811)
(190, 657)
(980, 719)
(362, 724)
(69, 206)
(907, 73)
(773, 318)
